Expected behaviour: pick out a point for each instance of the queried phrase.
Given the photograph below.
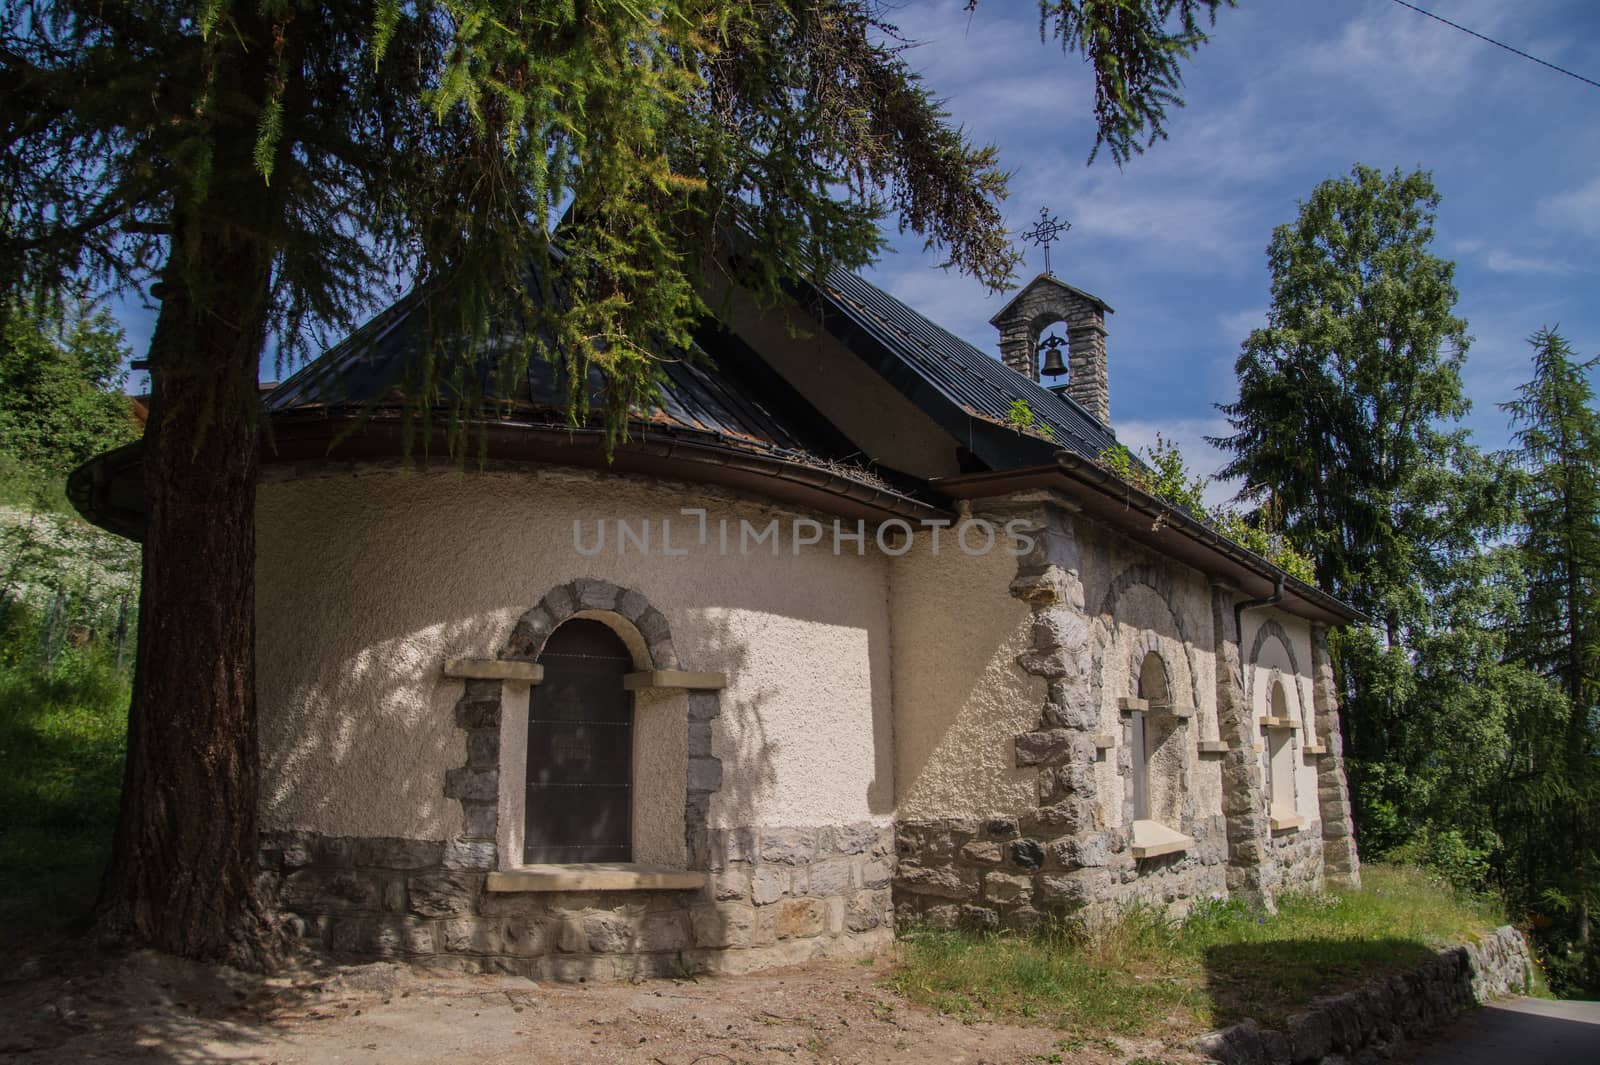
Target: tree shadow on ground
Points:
(1268, 981)
(82, 1005)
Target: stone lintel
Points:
(1213, 746)
(595, 876)
(1279, 722)
(512, 669)
(674, 678)
(1133, 706)
(1151, 839)
(1105, 741)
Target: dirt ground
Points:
(150, 1008)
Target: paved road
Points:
(1522, 1031)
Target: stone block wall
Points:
(1043, 302)
(1004, 873)
(1298, 858)
(774, 896)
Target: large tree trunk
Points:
(183, 877)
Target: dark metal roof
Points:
(943, 367)
(719, 389)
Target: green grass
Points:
(62, 735)
(1149, 975)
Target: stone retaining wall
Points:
(774, 896)
(1368, 1024)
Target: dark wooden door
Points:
(580, 750)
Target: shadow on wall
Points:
(368, 580)
(1268, 981)
(749, 769)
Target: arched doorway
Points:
(579, 796)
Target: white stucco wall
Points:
(369, 578)
(960, 698)
(1294, 669)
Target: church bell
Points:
(1053, 364)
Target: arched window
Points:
(580, 750)
(1280, 755)
(1157, 749)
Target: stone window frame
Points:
(1279, 808)
(480, 712)
(1271, 629)
(1146, 646)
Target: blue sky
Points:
(1287, 94)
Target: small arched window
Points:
(1158, 767)
(580, 750)
(1280, 754)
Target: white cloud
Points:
(1236, 325)
(1505, 262)
(1576, 209)
(1397, 56)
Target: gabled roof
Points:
(1049, 279)
(967, 390)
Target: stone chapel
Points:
(833, 643)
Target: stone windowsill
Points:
(1314, 749)
(595, 876)
(1151, 839)
(674, 678)
(1213, 746)
(1145, 706)
(1286, 822)
(1279, 722)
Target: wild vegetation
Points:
(68, 610)
(1222, 962)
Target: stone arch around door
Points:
(645, 631)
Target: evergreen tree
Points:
(272, 163)
(1342, 393)
(1557, 633)
(1344, 422)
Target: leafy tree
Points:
(271, 164)
(1344, 423)
(1556, 632)
(60, 387)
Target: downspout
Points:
(1251, 604)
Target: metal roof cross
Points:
(1045, 232)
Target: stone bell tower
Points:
(1043, 302)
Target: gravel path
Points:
(149, 1008)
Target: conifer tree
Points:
(273, 163)
(1346, 421)
(1557, 631)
